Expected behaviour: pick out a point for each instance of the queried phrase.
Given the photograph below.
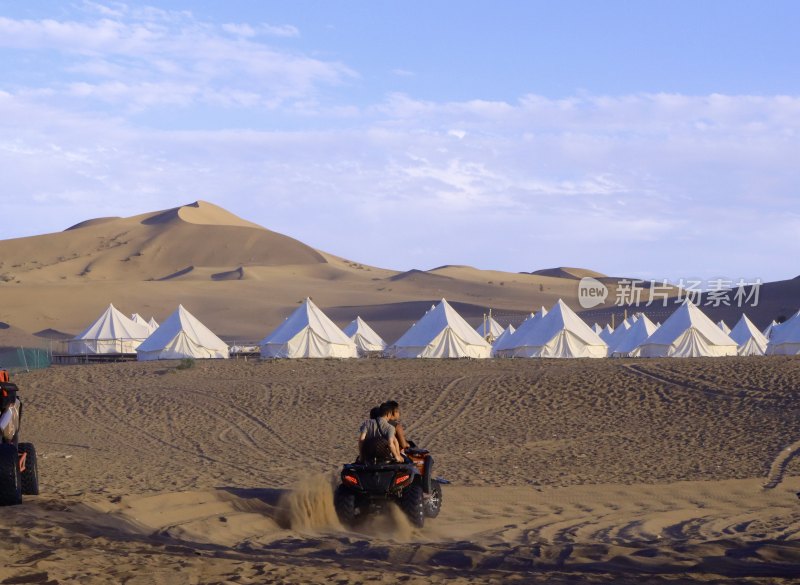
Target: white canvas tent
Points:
(613, 339)
(365, 338)
(748, 338)
(111, 333)
(489, 329)
(559, 334)
(501, 346)
(785, 339)
(308, 333)
(724, 327)
(440, 333)
(504, 337)
(768, 331)
(137, 318)
(597, 329)
(688, 333)
(180, 336)
(606, 334)
(628, 344)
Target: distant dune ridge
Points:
(567, 272)
(243, 280)
(152, 246)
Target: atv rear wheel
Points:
(412, 503)
(10, 476)
(30, 477)
(344, 501)
(433, 503)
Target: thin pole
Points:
(24, 359)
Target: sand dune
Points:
(149, 246)
(11, 336)
(568, 272)
(201, 213)
(91, 222)
(204, 257)
(618, 471)
(243, 280)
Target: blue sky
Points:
(650, 139)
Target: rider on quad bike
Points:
(379, 478)
(18, 471)
(432, 488)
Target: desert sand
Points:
(240, 279)
(574, 471)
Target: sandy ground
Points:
(574, 471)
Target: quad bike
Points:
(18, 471)
(368, 487)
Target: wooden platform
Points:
(65, 359)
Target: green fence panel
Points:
(24, 359)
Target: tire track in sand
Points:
(638, 371)
(683, 384)
(267, 398)
(446, 419)
(274, 436)
(420, 424)
(137, 432)
(724, 389)
(779, 464)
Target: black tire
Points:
(344, 501)
(10, 477)
(433, 504)
(30, 477)
(412, 503)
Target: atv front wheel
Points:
(345, 503)
(30, 477)
(412, 503)
(433, 503)
(10, 477)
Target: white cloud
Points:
(283, 30)
(153, 48)
(114, 9)
(242, 30)
(248, 31)
(616, 183)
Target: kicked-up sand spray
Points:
(393, 525)
(308, 506)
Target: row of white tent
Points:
(307, 333)
(181, 335)
(443, 333)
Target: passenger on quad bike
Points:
(377, 439)
(18, 470)
(9, 413)
(394, 419)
